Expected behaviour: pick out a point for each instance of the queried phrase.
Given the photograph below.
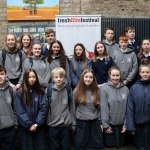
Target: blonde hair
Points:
(59, 71)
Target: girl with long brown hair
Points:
(86, 113)
(101, 63)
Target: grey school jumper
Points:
(113, 104)
(7, 114)
(127, 62)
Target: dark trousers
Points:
(9, 137)
(59, 137)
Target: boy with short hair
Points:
(59, 118)
(130, 32)
(50, 37)
(7, 113)
(110, 44)
(125, 58)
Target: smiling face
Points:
(11, 41)
(25, 41)
(32, 78)
(145, 73)
(36, 50)
(88, 79)
(100, 49)
(55, 48)
(115, 76)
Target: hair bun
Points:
(145, 61)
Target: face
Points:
(32, 78)
(100, 49)
(146, 46)
(36, 50)
(115, 76)
(25, 41)
(131, 34)
(78, 51)
(10, 41)
(58, 79)
(109, 35)
(55, 48)
(50, 37)
(88, 78)
(2, 77)
(145, 73)
(123, 44)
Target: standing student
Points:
(25, 44)
(31, 111)
(12, 59)
(86, 113)
(101, 63)
(110, 44)
(78, 63)
(7, 112)
(130, 32)
(114, 96)
(138, 108)
(57, 58)
(39, 64)
(50, 37)
(59, 118)
(125, 58)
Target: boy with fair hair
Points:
(59, 118)
(130, 32)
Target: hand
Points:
(32, 129)
(133, 133)
(109, 130)
(35, 125)
(123, 130)
(73, 128)
(17, 86)
(124, 82)
(12, 85)
(101, 127)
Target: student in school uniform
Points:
(59, 118)
(130, 32)
(138, 108)
(85, 112)
(78, 63)
(125, 58)
(110, 44)
(113, 98)
(101, 63)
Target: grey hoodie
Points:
(111, 47)
(60, 113)
(84, 112)
(56, 63)
(12, 63)
(127, 62)
(113, 104)
(41, 68)
(7, 114)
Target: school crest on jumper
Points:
(123, 96)
(128, 59)
(64, 101)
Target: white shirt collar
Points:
(48, 46)
(130, 42)
(100, 58)
(146, 55)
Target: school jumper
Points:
(86, 120)
(56, 63)
(7, 117)
(127, 62)
(113, 112)
(59, 119)
(111, 47)
(41, 66)
(13, 64)
(136, 46)
(138, 114)
(75, 76)
(29, 115)
(101, 68)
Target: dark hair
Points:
(62, 59)
(144, 63)
(129, 28)
(2, 68)
(108, 28)
(83, 56)
(48, 31)
(26, 87)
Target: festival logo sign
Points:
(32, 9)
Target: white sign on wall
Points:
(73, 29)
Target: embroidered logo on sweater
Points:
(124, 96)
(36, 99)
(128, 59)
(65, 101)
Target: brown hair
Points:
(38, 43)
(29, 46)
(144, 63)
(108, 28)
(81, 89)
(123, 37)
(129, 28)
(140, 54)
(48, 31)
(83, 56)
(105, 54)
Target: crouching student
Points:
(31, 111)
(113, 109)
(7, 114)
(85, 112)
(59, 118)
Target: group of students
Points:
(36, 84)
